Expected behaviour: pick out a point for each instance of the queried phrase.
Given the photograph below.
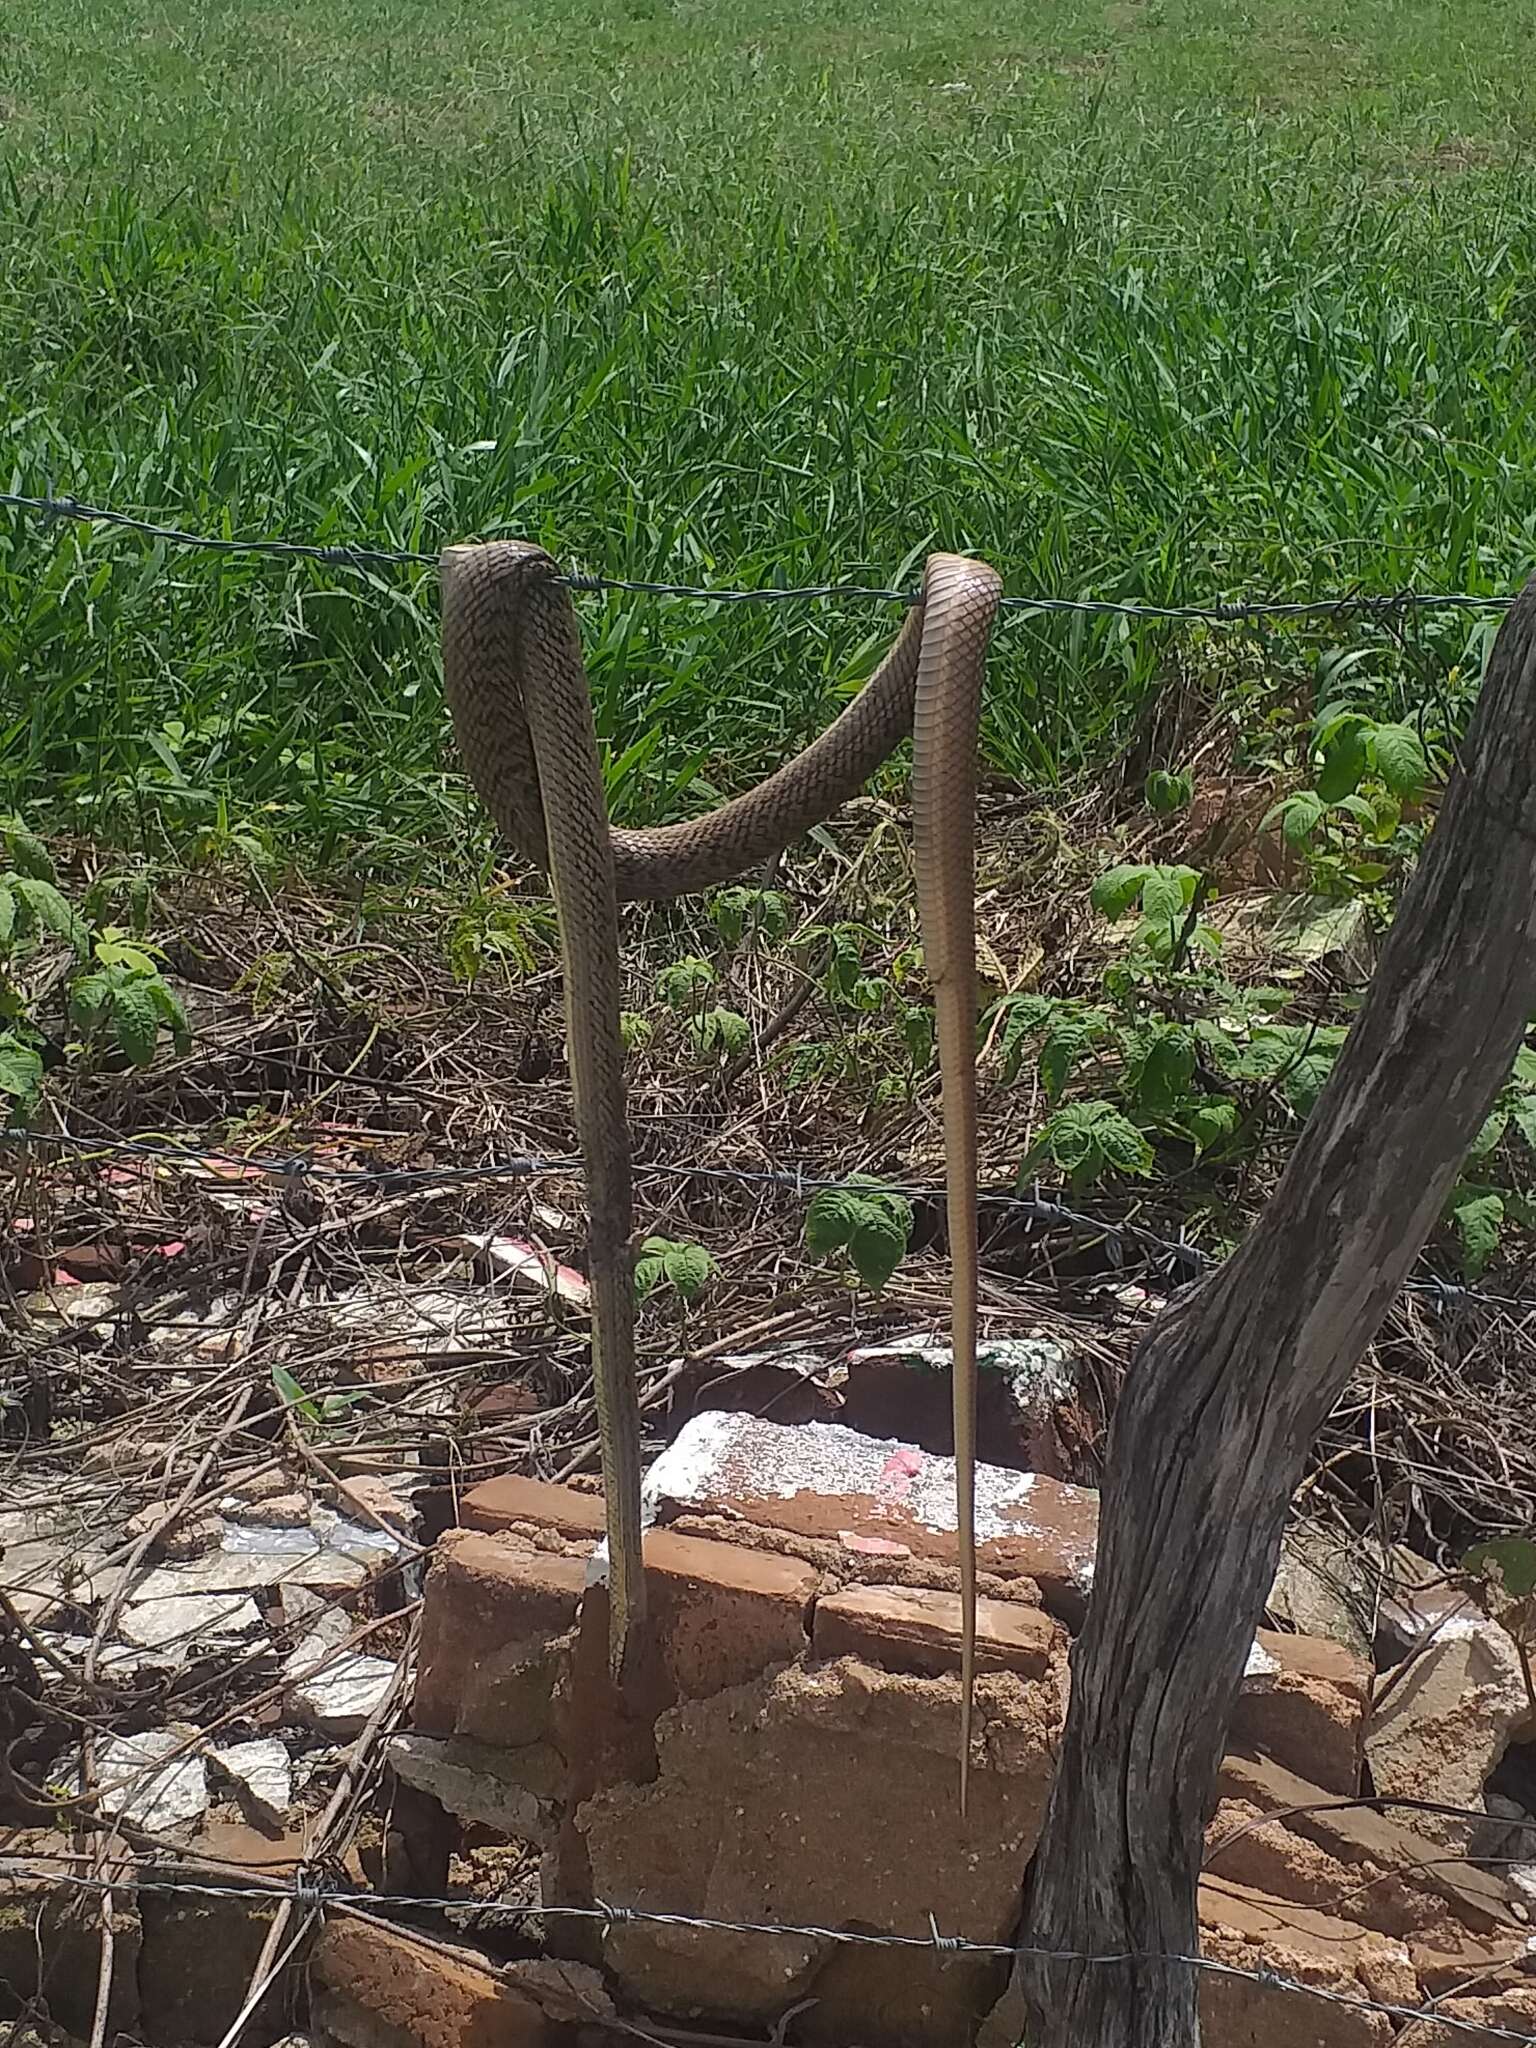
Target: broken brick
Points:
(916, 1629)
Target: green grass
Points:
(1168, 301)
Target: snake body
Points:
(517, 688)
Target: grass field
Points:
(1172, 300)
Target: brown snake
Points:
(517, 687)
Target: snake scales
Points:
(517, 687)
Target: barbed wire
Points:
(376, 1907)
(357, 555)
(1032, 1205)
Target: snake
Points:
(520, 700)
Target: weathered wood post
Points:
(1228, 1391)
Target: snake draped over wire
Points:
(521, 703)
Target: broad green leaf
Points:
(1023, 1016)
(49, 909)
(115, 952)
(1124, 1148)
(1163, 900)
(1343, 763)
(831, 1220)
(29, 856)
(1490, 1136)
(685, 982)
(635, 1030)
(88, 997)
(1400, 760)
(1066, 1042)
(689, 1268)
(21, 1070)
(1525, 1066)
(1360, 808)
(168, 1003)
(7, 914)
(877, 1247)
(1523, 1116)
(1299, 816)
(1069, 1138)
(1208, 1121)
(1113, 893)
(1306, 1079)
(1515, 1557)
(917, 1035)
(1478, 1217)
(1221, 1049)
(1160, 1068)
(648, 1271)
(135, 1019)
(1167, 792)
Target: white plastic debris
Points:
(527, 1266)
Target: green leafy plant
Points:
(711, 1029)
(494, 930)
(113, 989)
(1087, 1141)
(867, 1222)
(683, 1266)
(684, 984)
(317, 1412)
(1167, 791)
(736, 911)
(1349, 823)
(124, 999)
(1168, 901)
(1481, 1207)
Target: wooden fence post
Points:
(1229, 1390)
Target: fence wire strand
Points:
(376, 1907)
(50, 510)
(1188, 1261)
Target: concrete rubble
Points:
(783, 1755)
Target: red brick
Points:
(912, 1628)
(532, 1503)
(723, 1615)
(493, 1604)
(374, 1987)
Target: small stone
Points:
(272, 1511)
(185, 1537)
(142, 1783)
(372, 1499)
(263, 1772)
(1445, 1721)
(161, 1617)
(514, 1791)
(337, 1697)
